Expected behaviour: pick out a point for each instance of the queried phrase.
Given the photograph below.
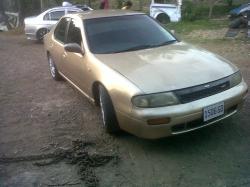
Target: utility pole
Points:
(42, 6)
(1, 6)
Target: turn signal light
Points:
(158, 121)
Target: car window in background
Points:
(71, 11)
(60, 29)
(85, 9)
(46, 17)
(74, 33)
(125, 33)
(56, 15)
(165, 1)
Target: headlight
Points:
(235, 79)
(155, 100)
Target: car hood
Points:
(170, 67)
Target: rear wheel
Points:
(163, 18)
(109, 119)
(40, 33)
(53, 70)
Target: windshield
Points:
(125, 33)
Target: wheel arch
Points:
(48, 54)
(162, 14)
(39, 29)
(95, 92)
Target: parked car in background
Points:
(240, 17)
(240, 11)
(151, 85)
(165, 10)
(37, 26)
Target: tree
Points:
(211, 4)
(229, 2)
(1, 6)
(140, 5)
(21, 10)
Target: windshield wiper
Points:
(166, 43)
(138, 47)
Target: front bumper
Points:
(184, 117)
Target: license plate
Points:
(213, 111)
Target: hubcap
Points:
(52, 67)
(102, 111)
(42, 33)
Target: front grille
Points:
(199, 122)
(205, 90)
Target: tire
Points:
(53, 70)
(40, 34)
(109, 119)
(236, 23)
(163, 18)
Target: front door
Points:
(75, 64)
(57, 44)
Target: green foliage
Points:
(229, 3)
(192, 12)
(119, 4)
(185, 27)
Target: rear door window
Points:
(56, 15)
(46, 17)
(165, 1)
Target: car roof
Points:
(105, 13)
(68, 7)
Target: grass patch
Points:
(185, 27)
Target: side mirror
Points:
(73, 48)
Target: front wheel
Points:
(53, 70)
(109, 119)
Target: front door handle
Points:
(64, 55)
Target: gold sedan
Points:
(145, 80)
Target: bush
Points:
(192, 12)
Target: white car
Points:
(164, 11)
(37, 26)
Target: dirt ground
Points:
(39, 116)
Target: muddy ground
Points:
(39, 116)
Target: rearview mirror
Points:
(74, 48)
